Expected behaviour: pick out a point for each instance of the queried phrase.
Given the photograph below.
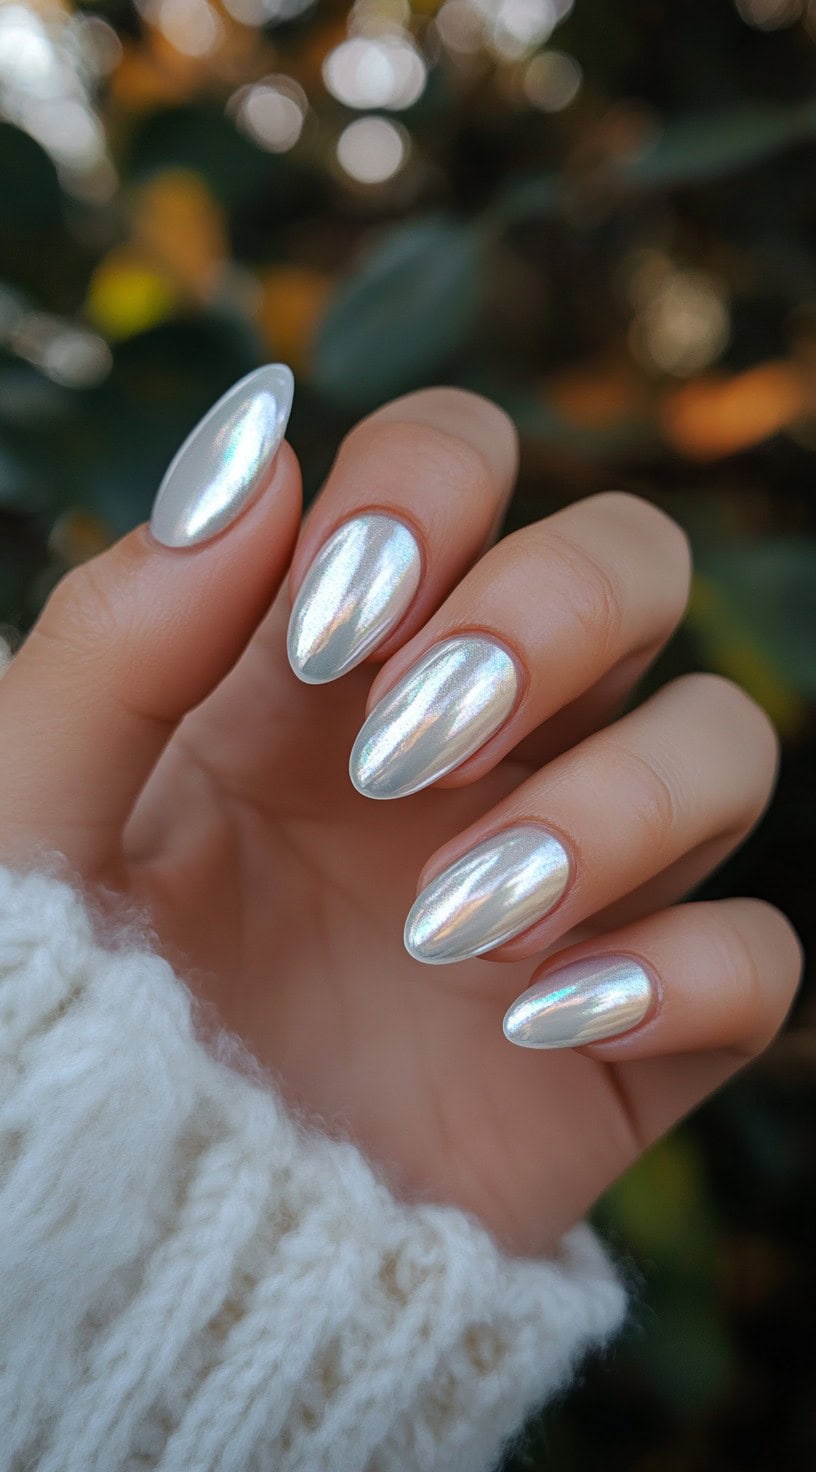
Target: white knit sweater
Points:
(191, 1281)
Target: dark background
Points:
(603, 214)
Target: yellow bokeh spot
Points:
(127, 295)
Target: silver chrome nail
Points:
(580, 1003)
(224, 462)
(441, 711)
(357, 589)
(497, 890)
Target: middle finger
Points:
(679, 780)
(540, 620)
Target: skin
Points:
(152, 733)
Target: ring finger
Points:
(675, 785)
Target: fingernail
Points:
(497, 890)
(357, 589)
(443, 710)
(581, 1003)
(225, 461)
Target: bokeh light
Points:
(517, 27)
(461, 27)
(379, 17)
(383, 72)
(194, 27)
(681, 323)
(372, 150)
(266, 12)
(67, 353)
(552, 80)
(770, 15)
(47, 77)
(272, 112)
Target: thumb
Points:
(132, 640)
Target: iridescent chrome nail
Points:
(581, 1003)
(225, 461)
(497, 890)
(440, 713)
(359, 586)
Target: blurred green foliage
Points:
(602, 215)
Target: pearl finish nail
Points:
(584, 1002)
(359, 586)
(225, 461)
(439, 714)
(497, 890)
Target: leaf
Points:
(29, 187)
(697, 147)
(660, 1206)
(687, 1354)
(208, 144)
(533, 196)
(708, 145)
(407, 310)
(763, 595)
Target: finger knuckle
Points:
(742, 966)
(582, 581)
(414, 453)
(461, 413)
(653, 794)
(664, 538)
(784, 943)
(80, 613)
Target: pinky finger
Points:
(670, 1008)
(697, 978)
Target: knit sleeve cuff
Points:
(190, 1278)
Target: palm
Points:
(282, 894)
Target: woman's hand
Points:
(152, 731)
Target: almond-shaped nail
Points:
(225, 461)
(440, 713)
(581, 1003)
(361, 583)
(495, 891)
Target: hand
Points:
(152, 732)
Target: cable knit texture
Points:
(193, 1281)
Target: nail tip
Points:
(170, 518)
(515, 1034)
(370, 785)
(413, 951)
(310, 669)
(425, 954)
(358, 782)
(417, 951)
(300, 667)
